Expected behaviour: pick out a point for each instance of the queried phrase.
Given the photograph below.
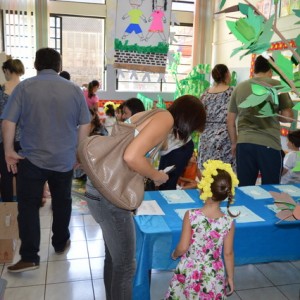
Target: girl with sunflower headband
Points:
(200, 272)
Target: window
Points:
(182, 45)
(80, 40)
(183, 5)
(19, 38)
(83, 1)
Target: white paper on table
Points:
(256, 192)
(149, 207)
(246, 215)
(176, 196)
(181, 211)
(289, 189)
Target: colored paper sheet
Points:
(176, 196)
(246, 215)
(289, 189)
(150, 207)
(256, 192)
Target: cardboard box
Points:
(9, 232)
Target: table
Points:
(255, 242)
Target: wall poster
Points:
(142, 34)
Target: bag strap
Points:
(147, 114)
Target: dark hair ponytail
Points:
(221, 189)
(230, 200)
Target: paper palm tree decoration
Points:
(195, 83)
(289, 208)
(255, 31)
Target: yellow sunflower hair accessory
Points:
(210, 169)
(105, 106)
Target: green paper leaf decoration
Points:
(244, 8)
(297, 166)
(161, 103)
(297, 106)
(285, 90)
(148, 103)
(267, 33)
(266, 111)
(233, 81)
(276, 2)
(235, 32)
(255, 21)
(258, 89)
(236, 50)
(222, 3)
(274, 94)
(297, 41)
(297, 12)
(246, 30)
(253, 100)
(284, 64)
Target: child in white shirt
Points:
(291, 159)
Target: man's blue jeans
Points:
(252, 159)
(119, 237)
(31, 180)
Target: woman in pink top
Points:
(90, 94)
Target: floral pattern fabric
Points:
(214, 141)
(200, 273)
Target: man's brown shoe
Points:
(61, 251)
(22, 266)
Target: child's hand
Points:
(230, 286)
(172, 255)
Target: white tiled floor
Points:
(78, 273)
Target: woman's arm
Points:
(231, 128)
(229, 258)
(185, 238)
(151, 133)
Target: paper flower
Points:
(210, 170)
(289, 208)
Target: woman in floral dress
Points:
(200, 273)
(214, 141)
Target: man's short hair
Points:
(261, 65)
(47, 58)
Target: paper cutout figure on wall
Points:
(135, 14)
(141, 34)
(157, 19)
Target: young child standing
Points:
(200, 273)
(291, 159)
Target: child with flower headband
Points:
(200, 273)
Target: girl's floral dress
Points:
(200, 273)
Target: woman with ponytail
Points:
(200, 272)
(91, 96)
(215, 142)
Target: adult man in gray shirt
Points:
(53, 118)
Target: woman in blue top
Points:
(13, 69)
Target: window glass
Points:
(83, 1)
(19, 38)
(183, 5)
(80, 40)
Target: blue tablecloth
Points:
(255, 242)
